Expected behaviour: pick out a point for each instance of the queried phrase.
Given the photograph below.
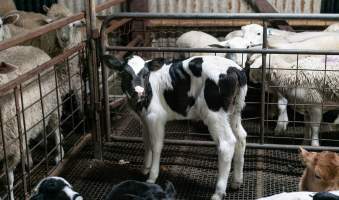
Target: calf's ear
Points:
(112, 62)
(170, 190)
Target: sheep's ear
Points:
(7, 68)
(45, 8)
(170, 190)
(11, 18)
(307, 157)
(112, 62)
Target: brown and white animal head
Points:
(4, 21)
(68, 35)
(321, 173)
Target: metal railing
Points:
(144, 17)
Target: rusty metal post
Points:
(263, 87)
(92, 35)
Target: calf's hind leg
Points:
(239, 152)
(222, 134)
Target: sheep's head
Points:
(5, 20)
(68, 35)
(322, 171)
(134, 75)
(253, 33)
(235, 43)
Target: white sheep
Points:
(233, 34)
(332, 28)
(207, 88)
(307, 85)
(17, 61)
(199, 39)
(55, 42)
(331, 195)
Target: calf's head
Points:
(134, 77)
(321, 173)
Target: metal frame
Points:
(16, 87)
(199, 16)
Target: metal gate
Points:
(272, 162)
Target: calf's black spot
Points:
(222, 95)
(177, 98)
(195, 65)
(241, 74)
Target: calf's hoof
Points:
(236, 185)
(217, 196)
(145, 171)
(150, 181)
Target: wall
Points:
(231, 6)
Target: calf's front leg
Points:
(156, 128)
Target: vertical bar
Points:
(82, 88)
(26, 141)
(93, 74)
(5, 153)
(106, 107)
(18, 118)
(263, 86)
(58, 107)
(43, 122)
(72, 94)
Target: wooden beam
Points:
(263, 6)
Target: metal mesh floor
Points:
(192, 170)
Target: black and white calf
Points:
(54, 188)
(207, 88)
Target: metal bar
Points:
(25, 134)
(72, 154)
(93, 74)
(22, 157)
(258, 16)
(116, 24)
(43, 120)
(211, 143)
(22, 78)
(58, 107)
(107, 4)
(5, 153)
(263, 85)
(219, 50)
(39, 31)
(53, 26)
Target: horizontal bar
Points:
(52, 26)
(16, 40)
(223, 50)
(259, 16)
(107, 4)
(24, 77)
(82, 142)
(211, 143)
(116, 24)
